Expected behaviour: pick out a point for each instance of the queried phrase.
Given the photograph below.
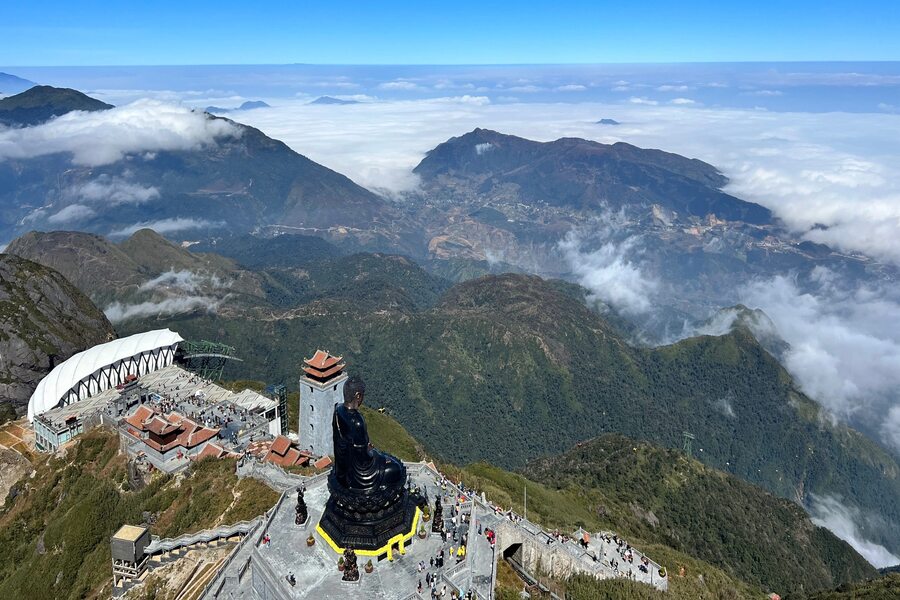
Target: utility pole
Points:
(687, 444)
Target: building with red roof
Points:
(321, 387)
(284, 453)
(214, 450)
(168, 441)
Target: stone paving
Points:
(259, 570)
(315, 568)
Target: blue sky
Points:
(463, 32)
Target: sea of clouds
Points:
(831, 177)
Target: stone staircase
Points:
(168, 545)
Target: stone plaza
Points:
(259, 568)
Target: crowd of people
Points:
(454, 534)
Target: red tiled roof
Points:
(322, 360)
(190, 434)
(334, 370)
(280, 446)
(140, 415)
(195, 434)
(160, 426)
(216, 451)
(323, 462)
(282, 452)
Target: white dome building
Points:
(103, 367)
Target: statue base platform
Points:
(372, 524)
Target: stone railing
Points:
(270, 514)
(205, 536)
(221, 576)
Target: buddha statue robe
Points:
(357, 465)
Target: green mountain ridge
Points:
(663, 496)
(510, 368)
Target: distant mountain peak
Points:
(333, 100)
(43, 102)
(583, 174)
(248, 105)
(11, 84)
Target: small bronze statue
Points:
(437, 523)
(302, 513)
(351, 570)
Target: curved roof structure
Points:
(69, 373)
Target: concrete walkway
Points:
(224, 532)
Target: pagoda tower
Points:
(321, 387)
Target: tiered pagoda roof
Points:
(323, 366)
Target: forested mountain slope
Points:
(664, 496)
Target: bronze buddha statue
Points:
(357, 464)
(370, 502)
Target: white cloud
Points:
(830, 512)
(183, 280)
(682, 101)
(113, 191)
(608, 267)
(572, 87)
(104, 137)
(765, 93)
(166, 226)
(845, 344)
(724, 406)
(642, 100)
(524, 89)
(673, 88)
(118, 312)
(482, 148)
(71, 214)
(467, 99)
(399, 84)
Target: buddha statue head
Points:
(354, 392)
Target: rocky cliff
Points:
(44, 320)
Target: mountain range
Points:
(506, 368)
(485, 199)
(508, 354)
(245, 181)
(333, 100)
(581, 175)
